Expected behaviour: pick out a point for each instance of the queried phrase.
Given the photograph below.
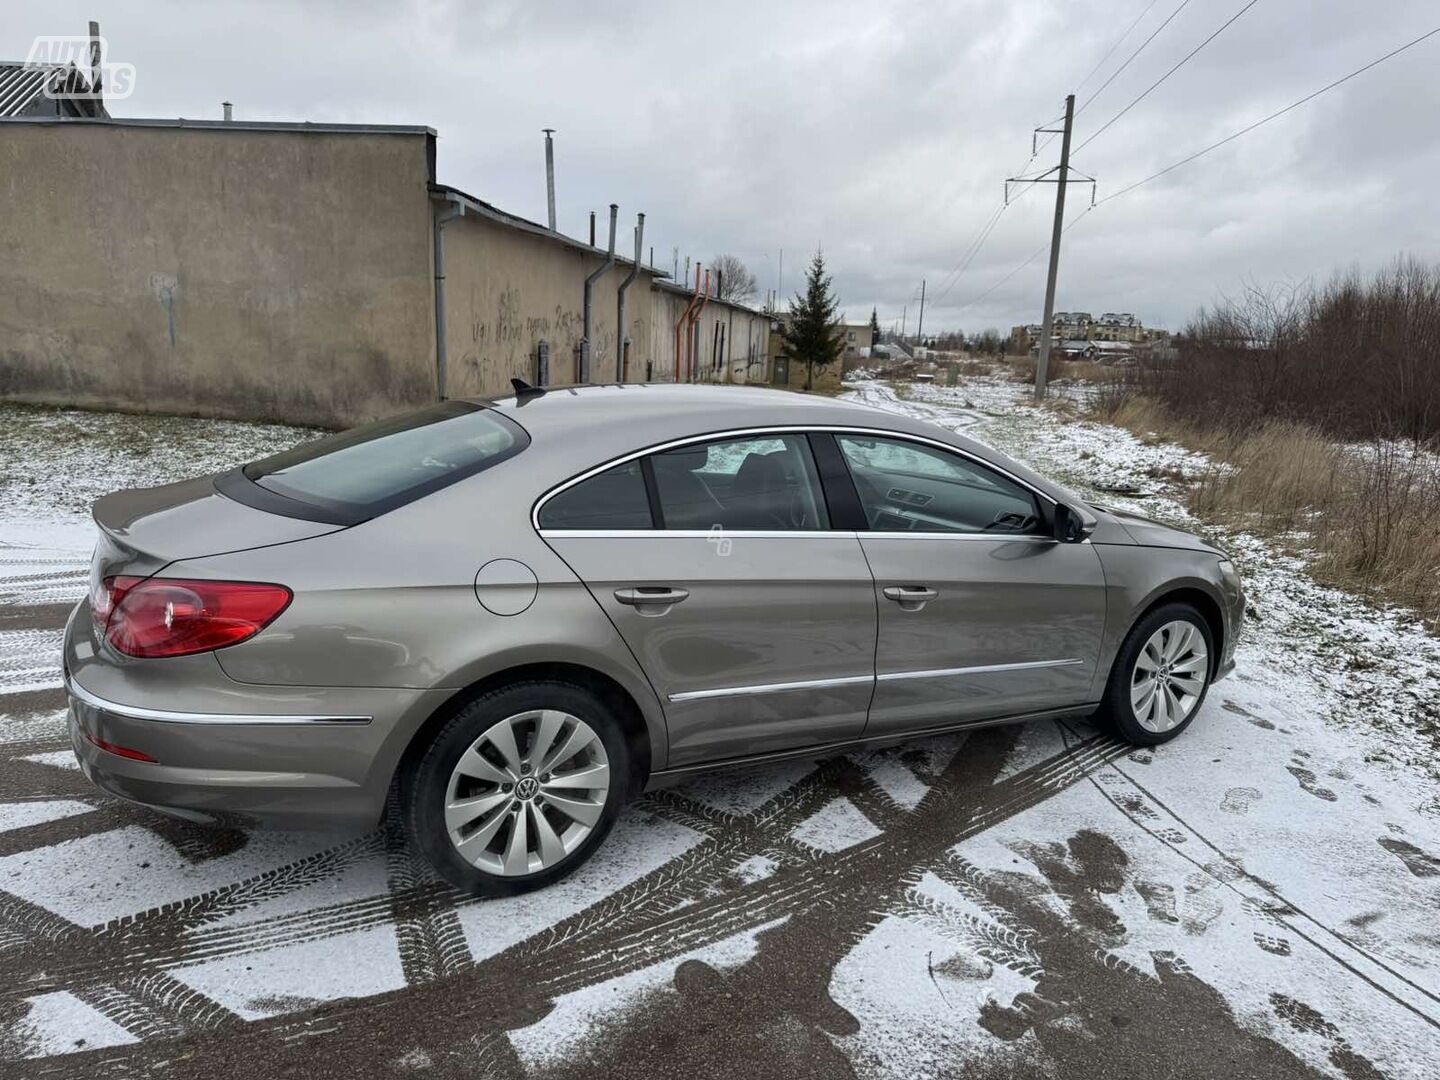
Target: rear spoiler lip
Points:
(124, 520)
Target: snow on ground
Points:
(1255, 899)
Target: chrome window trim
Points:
(773, 534)
(778, 429)
(1027, 538)
(697, 534)
(164, 716)
(853, 680)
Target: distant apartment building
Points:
(1024, 338)
(1072, 326)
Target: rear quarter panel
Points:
(392, 603)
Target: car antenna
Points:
(524, 391)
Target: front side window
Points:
(759, 482)
(613, 499)
(910, 487)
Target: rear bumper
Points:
(282, 770)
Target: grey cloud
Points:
(880, 131)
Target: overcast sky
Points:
(881, 132)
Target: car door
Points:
(982, 613)
(753, 618)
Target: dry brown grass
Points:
(1274, 479)
(1080, 371)
(1371, 514)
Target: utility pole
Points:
(904, 314)
(920, 326)
(1043, 364)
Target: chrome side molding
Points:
(772, 688)
(162, 716)
(981, 669)
(851, 680)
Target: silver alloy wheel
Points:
(1169, 676)
(527, 792)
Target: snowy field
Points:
(1260, 898)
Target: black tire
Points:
(1115, 708)
(425, 783)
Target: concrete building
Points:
(858, 337)
(721, 341)
(292, 272)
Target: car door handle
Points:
(651, 600)
(910, 597)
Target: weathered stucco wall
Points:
(507, 290)
(746, 336)
(222, 271)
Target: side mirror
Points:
(1072, 524)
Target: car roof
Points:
(574, 428)
(664, 408)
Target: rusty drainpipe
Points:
(684, 316)
(585, 342)
(620, 301)
(691, 345)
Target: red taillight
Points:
(154, 617)
(121, 751)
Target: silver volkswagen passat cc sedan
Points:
(517, 613)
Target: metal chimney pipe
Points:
(229, 111)
(620, 338)
(550, 174)
(95, 57)
(592, 228)
(585, 341)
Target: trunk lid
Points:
(146, 528)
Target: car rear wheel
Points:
(518, 788)
(1160, 675)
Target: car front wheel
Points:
(1160, 676)
(519, 787)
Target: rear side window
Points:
(756, 482)
(357, 474)
(613, 499)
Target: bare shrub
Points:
(1116, 391)
(1357, 359)
(1386, 536)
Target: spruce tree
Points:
(813, 336)
(874, 327)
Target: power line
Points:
(1122, 67)
(1201, 153)
(1132, 56)
(978, 241)
(958, 271)
(1186, 59)
(1118, 42)
(1273, 116)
